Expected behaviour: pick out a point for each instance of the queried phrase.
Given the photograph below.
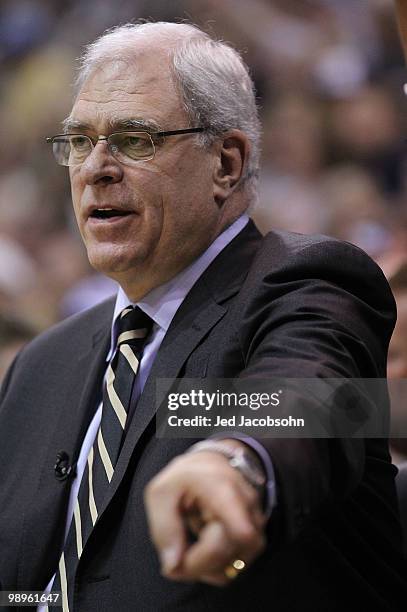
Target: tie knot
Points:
(134, 325)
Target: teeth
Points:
(106, 213)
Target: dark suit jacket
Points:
(283, 305)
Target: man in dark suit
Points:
(162, 149)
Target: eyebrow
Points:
(69, 125)
(146, 124)
(115, 124)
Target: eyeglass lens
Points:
(73, 149)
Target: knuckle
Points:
(253, 541)
(152, 488)
(253, 497)
(177, 461)
(247, 536)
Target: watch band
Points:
(238, 458)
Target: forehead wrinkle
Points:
(133, 99)
(111, 105)
(125, 84)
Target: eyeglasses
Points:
(128, 147)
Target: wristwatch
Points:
(238, 458)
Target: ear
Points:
(232, 155)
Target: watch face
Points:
(253, 471)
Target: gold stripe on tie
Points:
(64, 586)
(130, 356)
(132, 334)
(92, 504)
(114, 398)
(78, 528)
(125, 311)
(105, 456)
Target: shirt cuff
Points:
(271, 494)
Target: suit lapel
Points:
(202, 309)
(66, 433)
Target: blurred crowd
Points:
(329, 76)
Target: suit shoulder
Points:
(288, 261)
(283, 244)
(313, 253)
(76, 331)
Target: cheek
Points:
(188, 198)
(76, 192)
(152, 225)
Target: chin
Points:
(113, 261)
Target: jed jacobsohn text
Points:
(233, 421)
(217, 399)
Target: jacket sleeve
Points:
(326, 312)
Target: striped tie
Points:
(134, 327)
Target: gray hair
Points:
(214, 82)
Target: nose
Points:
(100, 167)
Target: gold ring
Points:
(234, 569)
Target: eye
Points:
(134, 142)
(136, 145)
(80, 143)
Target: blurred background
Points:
(329, 76)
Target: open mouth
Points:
(109, 213)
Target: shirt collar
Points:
(162, 303)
